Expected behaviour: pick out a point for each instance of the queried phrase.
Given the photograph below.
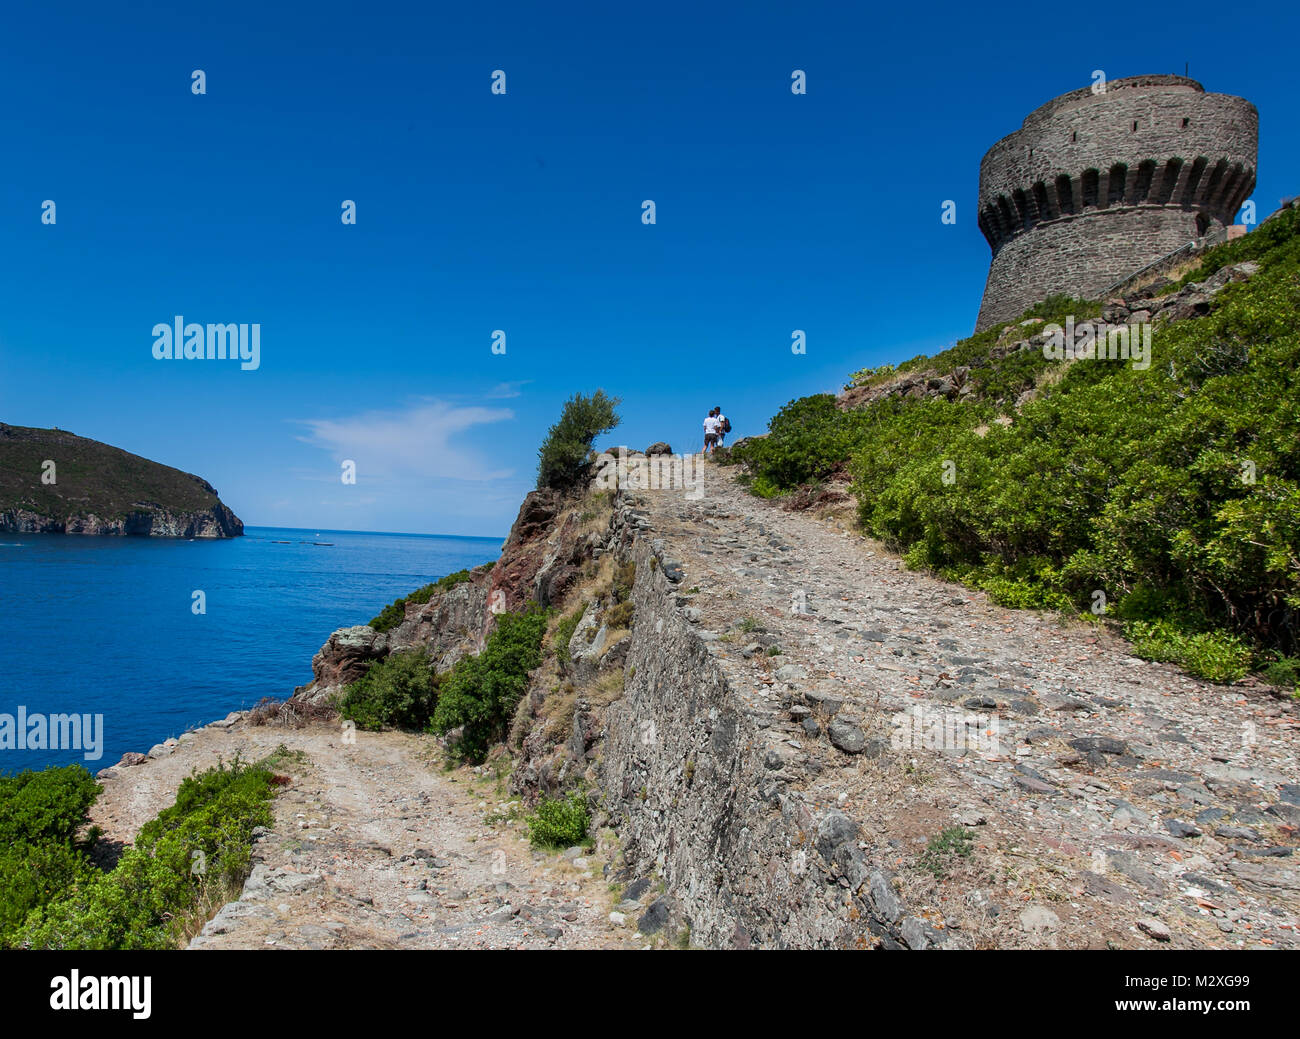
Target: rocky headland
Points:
(55, 482)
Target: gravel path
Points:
(375, 846)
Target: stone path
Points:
(1111, 800)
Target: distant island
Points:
(55, 482)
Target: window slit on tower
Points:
(1064, 194)
(1090, 187)
(1115, 184)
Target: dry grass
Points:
(607, 688)
(292, 714)
(212, 897)
(559, 712)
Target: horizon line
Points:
(396, 533)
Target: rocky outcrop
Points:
(542, 556)
(345, 657)
(148, 520)
(450, 625)
(1193, 300)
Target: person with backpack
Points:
(711, 425)
(724, 425)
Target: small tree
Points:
(562, 460)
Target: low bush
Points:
(1213, 655)
(193, 856)
(41, 855)
(398, 692)
(560, 822)
(480, 693)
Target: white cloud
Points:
(508, 389)
(418, 441)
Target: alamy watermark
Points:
(651, 473)
(1096, 340)
(83, 732)
(214, 342)
(922, 728)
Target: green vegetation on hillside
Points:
(1174, 491)
(480, 693)
(41, 856)
(89, 478)
(563, 460)
(477, 696)
(190, 859)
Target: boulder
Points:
(345, 657)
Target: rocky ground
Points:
(374, 845)
(1107, 800)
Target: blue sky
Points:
(519, 212)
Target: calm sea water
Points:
(105, 625)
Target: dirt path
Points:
(375, 846)
(1115, 800)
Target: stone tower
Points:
(1095, 186)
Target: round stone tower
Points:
(1095, 186)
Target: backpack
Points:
(726, 424)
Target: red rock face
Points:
(538, 563)
(345, 657)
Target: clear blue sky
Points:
(519, 212)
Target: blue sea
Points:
(106, 625)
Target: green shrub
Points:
(1284, 672)
(560, 822)
(869, 376)
(398, 692)
(40, 854)
(46, 806)
(1213, 655)
(194, 853)
(563, 458)
(480, 693)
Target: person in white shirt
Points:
(711, 425)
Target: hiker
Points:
(724, 426)
(711, 430)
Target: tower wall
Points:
(1094, 186)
